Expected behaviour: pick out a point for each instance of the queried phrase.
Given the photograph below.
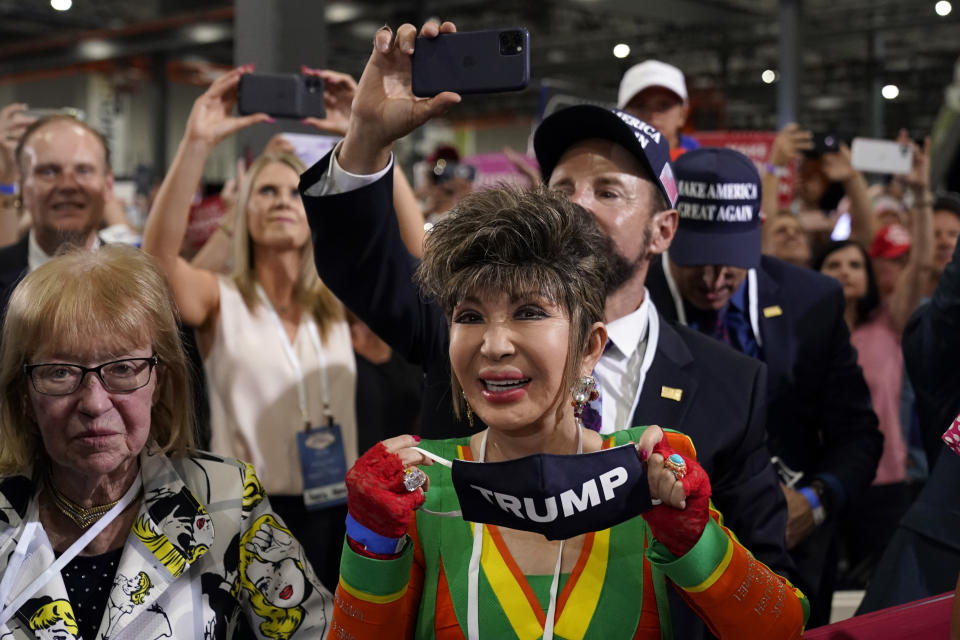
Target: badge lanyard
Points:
(752, 300)
(473, 584)
(30, 531)
(295, 361)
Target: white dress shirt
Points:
(618, 372)
(336, 180)
(37, 257)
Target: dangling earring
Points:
(584, 391)
(469, 410)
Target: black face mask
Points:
(558, 496)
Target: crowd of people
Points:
(641, 399)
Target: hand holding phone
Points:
(281, 95)
(472, 62)
(823, 142)
(881, 156)
(385, 108)
(339, 90)
(211, 118)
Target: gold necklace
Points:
(83, 517)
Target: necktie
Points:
(739, 333)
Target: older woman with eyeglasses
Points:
(111, 525)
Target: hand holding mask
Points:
(377, 499)
(677, 528)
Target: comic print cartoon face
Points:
(282, 583)
(53, 620)
(178, 530)
(57, 631)
(127, 585)
(271, 570)
(188, 532)
(182, 519)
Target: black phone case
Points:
(469, 62)
(281, 95)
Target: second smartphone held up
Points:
(281, 95)
(472, 62)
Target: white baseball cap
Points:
(650, 73)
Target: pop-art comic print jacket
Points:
(206, 559)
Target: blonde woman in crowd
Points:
(111, 524)
(275, 344)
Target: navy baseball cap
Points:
(566, 127)
(719, 205)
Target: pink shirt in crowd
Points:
(880, 357)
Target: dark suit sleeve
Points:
(361, 257)
(746, 489)
(931, 351)
(852, 441)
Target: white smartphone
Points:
(880, 156)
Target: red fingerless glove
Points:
(679, 529)
(376, 497)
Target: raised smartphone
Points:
(880, 156)
(486, 61)
(824, 143)
(281, 95)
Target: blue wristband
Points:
(811, 497)
(8, 189)
(373, 541)
(774, 170)
(819, 514)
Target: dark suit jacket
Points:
(14, 263)
(820, 419)
(361, 257)
(923, 557)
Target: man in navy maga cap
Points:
(820, 420)
(617, 167)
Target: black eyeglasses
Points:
(118, 376)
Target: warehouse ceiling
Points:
(849, 48)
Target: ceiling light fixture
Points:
(96, 49)
(337, 12)
(64, 5)
(943, 8)
(621, 50)
(768, 76)
(890, 91)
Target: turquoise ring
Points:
(676, 465)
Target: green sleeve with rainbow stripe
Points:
(375, 599)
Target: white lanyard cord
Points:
(754, 304)
(295, 361)
(473, 583)
(29, 533)
(448, 464)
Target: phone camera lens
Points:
(511, 43)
